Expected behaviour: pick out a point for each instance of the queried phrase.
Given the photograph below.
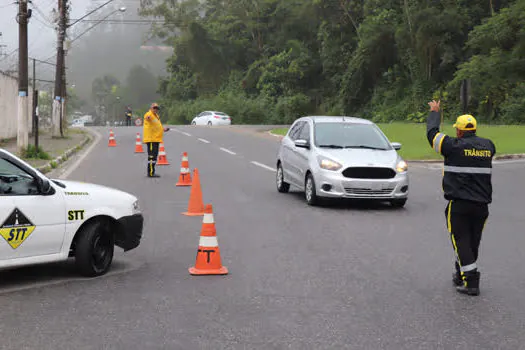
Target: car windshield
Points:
(350, 135)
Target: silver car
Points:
(341, 157)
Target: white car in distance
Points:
(44, 220)
(211, 118)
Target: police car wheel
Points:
(193, 123)
(94, 249)
(398, 203)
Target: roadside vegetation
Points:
(508, 139)
(271, 61)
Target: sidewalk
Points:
(54, 147)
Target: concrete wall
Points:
(9, 107)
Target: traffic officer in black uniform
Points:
(128, 116)
(467, 185)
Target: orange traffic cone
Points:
(185, 176)
(208, 261)
(112, 141)
(162, 160)
(195, 205)
(138, 145)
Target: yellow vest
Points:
(153, 129)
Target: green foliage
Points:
(271, 61)
(31, 152)
(508, 138)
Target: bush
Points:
(289, 108)
(32, 153)
(242, 109)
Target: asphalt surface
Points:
(345, 276)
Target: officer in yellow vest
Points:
(153, 131)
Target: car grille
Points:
(368, 191)
(369, 173)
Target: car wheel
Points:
(193, 123)
(282, 186)
(310, 192)
(209, 123)
(94, 249)
(398, 203)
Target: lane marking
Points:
(262, 166)
(75, 165)
(203, 140)
(227, 151)
(186, 133)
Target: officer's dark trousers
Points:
(153, 153)
(128, 121)
(465, 223)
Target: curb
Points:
(275, 135)
(44, 169)
(430, 161)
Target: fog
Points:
(111, 47)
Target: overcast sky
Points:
(41, 33)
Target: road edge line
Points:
(47, 168)
(75, 165)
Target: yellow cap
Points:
(463, 121)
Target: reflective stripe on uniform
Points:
(469, 267)
(438, 141)
(467, 170)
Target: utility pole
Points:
(35, 107)
(22, 134)
(63, 94)
(57, 101)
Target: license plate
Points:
(374, 186)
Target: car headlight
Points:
(401, 166)
(329, 164)
(136, 207)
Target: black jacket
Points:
(468, 163)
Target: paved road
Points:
(340, 277)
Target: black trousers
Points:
(465, 223)
(153, 153)
(128, 121)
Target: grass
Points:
(507, 138)
(32, 153)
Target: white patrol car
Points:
(43, 220)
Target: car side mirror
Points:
(302, 143)
(43, 185)
(396, 145)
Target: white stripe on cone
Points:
(208, 242)
(208, 219)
